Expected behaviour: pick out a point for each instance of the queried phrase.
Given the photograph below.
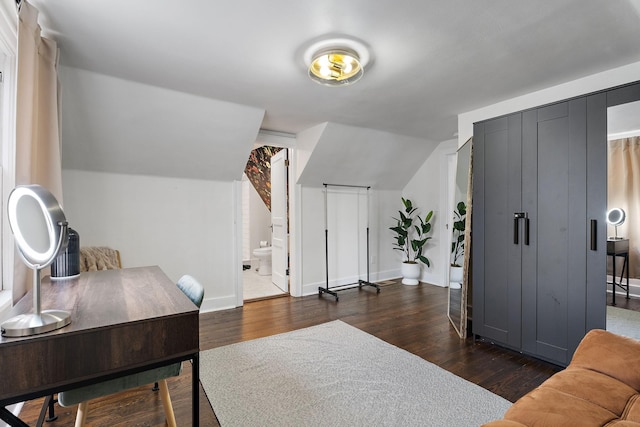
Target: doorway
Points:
(623, 192)
(255, 222)
(623, 237)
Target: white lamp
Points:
(40, 229)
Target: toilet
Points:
(264, 258)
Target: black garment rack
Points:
(360, 283)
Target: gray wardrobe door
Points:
(596, 208)
(554, 193)
(496, 258)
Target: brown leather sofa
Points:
(601, 386)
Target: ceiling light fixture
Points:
(336, 62)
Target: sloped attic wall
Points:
(340, 154)
(150, 172)
(119, 126)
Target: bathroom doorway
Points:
(262, 232)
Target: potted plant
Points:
(411, 232)
(457, 244)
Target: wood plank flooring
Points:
(411, 317)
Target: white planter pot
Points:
(410, 273)
(455, 275)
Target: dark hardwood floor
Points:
(411, 317)
(622, 302)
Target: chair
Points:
(92, 258)
(81, 396)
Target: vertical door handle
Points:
(594, 234)
(526, 230)
(516, 227)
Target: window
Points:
(8, 52)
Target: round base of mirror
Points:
(31, 324)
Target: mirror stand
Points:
(41, 232)
(40, 321)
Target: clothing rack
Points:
(360, 283)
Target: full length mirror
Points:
(460, 241)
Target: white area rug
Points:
(336, 375)
(623, 322)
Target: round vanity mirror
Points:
(616, 216)
(36, 221)
(40, 230)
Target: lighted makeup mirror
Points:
(40, 230)
(616, 217)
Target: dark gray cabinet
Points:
(496, 259)
(539, 198)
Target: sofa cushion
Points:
(610, 354)
(601, 386)
(592, 387)
(549, 407)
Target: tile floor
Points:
(256, 286)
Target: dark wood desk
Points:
(616, 248)
(122, 322)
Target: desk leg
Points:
(613, 285)
(9, 418)
(626, 264)
(195, 390)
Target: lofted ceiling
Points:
(431, 60)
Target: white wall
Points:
(306, 143)
(600, 81)
(347, 251)
(184, 226)
(388, 260)
(120, 126)
(347, 222)
(428, 191)
(359, 156)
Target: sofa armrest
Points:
(611, 355)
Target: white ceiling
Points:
(431, 59)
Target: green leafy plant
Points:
(411, 232)
(459, 225)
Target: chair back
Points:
(191, 288)
(96, 258)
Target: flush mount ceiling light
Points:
(337, 61)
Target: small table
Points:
(616, 248)
(122, 322)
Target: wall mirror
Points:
(460, 241)
(40, 230)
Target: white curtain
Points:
(38, 156)
(623, 191)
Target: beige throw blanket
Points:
(95, 258)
